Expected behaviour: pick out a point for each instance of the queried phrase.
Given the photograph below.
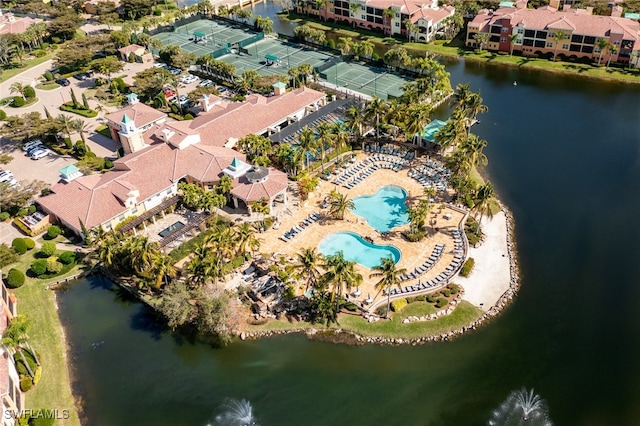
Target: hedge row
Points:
(83, 112)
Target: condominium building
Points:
(573, 33)
(11, 397)
(390, 16)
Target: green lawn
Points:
(11, 72)
(48, 86)
(464, 314)
(46, 336)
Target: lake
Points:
(564, 156)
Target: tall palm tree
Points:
(306, 144)
(482, 201)
(373, 111)
(472, 108)
(66, 122)
(612, 51)
(472, 148)
(366, 48)
(602, 45)
(355, 121)
(340, 274)
(246, 240)
(462, 95)
(341, 135)
(558, 36)
(307, 265)
(416, 120)
(161, 271)
(325, 140)
(389, 277)
(512, 41)
(339, 204)
(80, 126)
(345, 44)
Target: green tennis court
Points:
(365, 79)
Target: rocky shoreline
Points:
(347, 337)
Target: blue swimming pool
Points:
(356, 249)
(385, 209)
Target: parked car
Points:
(175, 71)
(182, 100)
(160, 65)
(31, 151)
(6, 176)
(32, 144)
(63, 82)
(41, 154)
(205, 83)
(83, 75)
(222, 89)
(190, 78)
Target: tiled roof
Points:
(252, 192)
(548, 18)
(140, 113)
(434, 15)
(16, 25)
(97, 198)
(132, 48)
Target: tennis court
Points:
(366, 79)
(204, 36)
(289, 55)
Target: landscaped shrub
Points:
(89, 113)
(381, 311)
(37, 375)
(53, 232)
(108, 164)
(15, 278)
(421, 298)
(4, 216)
(48, 248)
(22, 212)
(39, 267)
(41, 420)
(53, 266)
(441, 302)
(431, 298)
(29, 243)
(351, 307)
(32, 209)
(3, 115)
(67, 257)
(398, 305)
(7, 255)
(467, 267)
(19, 246)
(410, 300)
(25, 384)
(188, 117)
(18, 101)
(29, 92)
(48, 76)
(453, 288)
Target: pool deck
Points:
(413, 254)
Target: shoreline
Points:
(345, 336)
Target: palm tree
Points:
(558, 36)
(246, 240)
(339, 204)
(612, 51)
(472, 148)
(341, 134)
(389, 277)
(345, 44)
(373, 110)
(66, 122)
(602, 45)
(325, 140)
(482, 39)
(307, 266)
(80, 126)
(341, 274)
(482, 200)
(472, 108)
(141, 253)
(462, 95)
(18, 88)
(512, 41)
(366, 48)
(355, 121)
(161, 270)
(387, 16)
(306, 144)
(416, 120)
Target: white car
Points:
(40, 154)
(190, 78)
(205, 83)
(27, 146)
(6, 176)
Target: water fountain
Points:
(522, 407)
(237, 413)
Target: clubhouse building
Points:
(160, 153)
(536, 32)
(389, 16)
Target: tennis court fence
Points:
(328, 64)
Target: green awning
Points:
(68, 170)
(199, 34)
(272, 58)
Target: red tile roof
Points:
(548, 18)
(252, 192)
(97, 198)
(140, 113)
(132, 48)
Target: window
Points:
(520, 30)
(616, 42)
(565, 46)
(596, 50)
(397, 24)
(397, 15)
(363, 17)
(567, 36)
(505, 29)
(503, 39)
(549, 44)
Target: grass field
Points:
(46, 335)
(7, 73)
(464, 314)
